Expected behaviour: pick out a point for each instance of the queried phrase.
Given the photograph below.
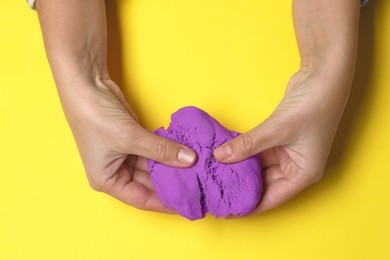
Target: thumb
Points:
(255, 141)
(162, 150)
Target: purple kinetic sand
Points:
(208, 186)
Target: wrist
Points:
(332, 71)
(82, 94)
(334, 61)
(327, 81)
(70, 71)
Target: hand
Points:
(114, 147)
(295, 140)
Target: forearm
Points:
(74, 33)
(294, 141)
(327, 35)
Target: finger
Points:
(143, 177)
(274, 182)
(141, 164)
(268, 158)
(125, 188)
(272, 174)
(277, 193)
(160, 149)
(137, 165)
(261, 138)
(140, 197)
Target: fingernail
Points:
(224, 152)
(186, 156)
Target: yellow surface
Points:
(231, 58)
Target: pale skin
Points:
(293, 142)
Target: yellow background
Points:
(230, 58)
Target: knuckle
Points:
(96, 185)
(162, 149)
(315, 177)
(246, 143)
(139, 204)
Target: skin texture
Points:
(112, 144)
(293, 142)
